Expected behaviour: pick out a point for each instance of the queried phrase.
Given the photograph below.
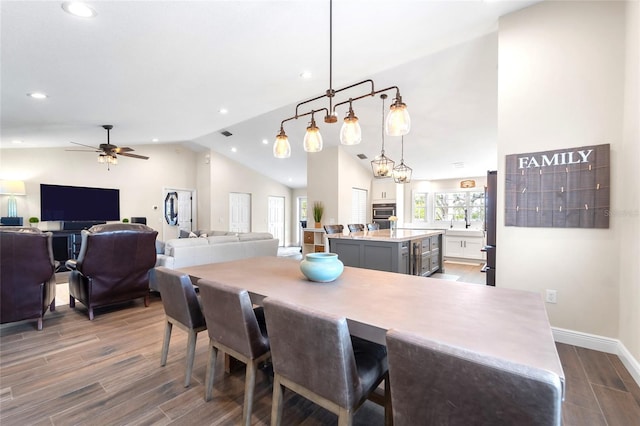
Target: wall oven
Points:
(382, 212)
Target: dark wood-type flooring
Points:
(107, 372)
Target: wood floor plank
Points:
(574, 415)
(599, 369)
(619, 407)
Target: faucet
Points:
(467, 223)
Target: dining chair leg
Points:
(345, 417)
(191, 353)
(209, 376)
(276, 403)
(388, 409)
(165, 344)
(249, 387)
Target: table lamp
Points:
(12, 188)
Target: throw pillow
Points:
(192, 235)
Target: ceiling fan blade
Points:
(83, 150)
(88, 146)
(142, 157)
(122, 149)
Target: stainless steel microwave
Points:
(383, 211)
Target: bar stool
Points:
(314, 356)
(182, 308)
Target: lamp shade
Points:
(398, 121)
(281, 147)
(12, 187)
(313, 139)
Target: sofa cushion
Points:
(183, 242)
(222, 239)
(252, 236)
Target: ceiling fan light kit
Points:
(108, 153)
(398, 120)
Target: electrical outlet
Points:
(551, 296)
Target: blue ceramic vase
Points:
(321, 267)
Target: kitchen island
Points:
(405, 251)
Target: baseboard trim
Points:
(599, 343)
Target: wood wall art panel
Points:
(564, 188)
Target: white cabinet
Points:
(464, 247)
(383, 191)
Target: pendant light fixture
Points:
(351, 133)
(313, 138)
(398, 121)
(281, 148)
(382, 166)
(402, 173)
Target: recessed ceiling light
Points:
(37, 95)
(16, 142)
(305, 75)
(223, 110)
(79, 9)
(234, 149)
(265, 141)
(155, 140)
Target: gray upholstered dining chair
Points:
(433, 383)
(373, 226)
(333, 229)
(314, 355)
(355, 227)
(182, 308)
(236, 329)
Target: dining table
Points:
(508, 324)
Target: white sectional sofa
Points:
(215, 247)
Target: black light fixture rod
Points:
(330, 92)
(295, 117)
(333, 92)
(373, 93)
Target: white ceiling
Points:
(164, 69)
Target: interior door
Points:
(239, 212)
(275, 218)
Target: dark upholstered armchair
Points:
(27, 275)
(113, 265)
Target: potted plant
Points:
(34, 221)
(125, 220)
(318, 210)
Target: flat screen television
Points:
(78, 203)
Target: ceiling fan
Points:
(108, 153)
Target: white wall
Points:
(561, 85)
(322, 184)
(627, 196)
(351, 175)
(140, 181)
(228, 176)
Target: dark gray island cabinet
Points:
(403, 251)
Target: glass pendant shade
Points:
(351, 133)
(313, 138)
(281, 147)
(101, 158)
(398, 120)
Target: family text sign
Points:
(564, 188)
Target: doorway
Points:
(275, 218)
(177, 212)
(239, 212)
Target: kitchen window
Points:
(419, 207)
(451, 206)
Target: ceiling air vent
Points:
(362, 156)
(226, 133)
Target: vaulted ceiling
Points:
(166, 69)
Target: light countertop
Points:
(397, 235)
